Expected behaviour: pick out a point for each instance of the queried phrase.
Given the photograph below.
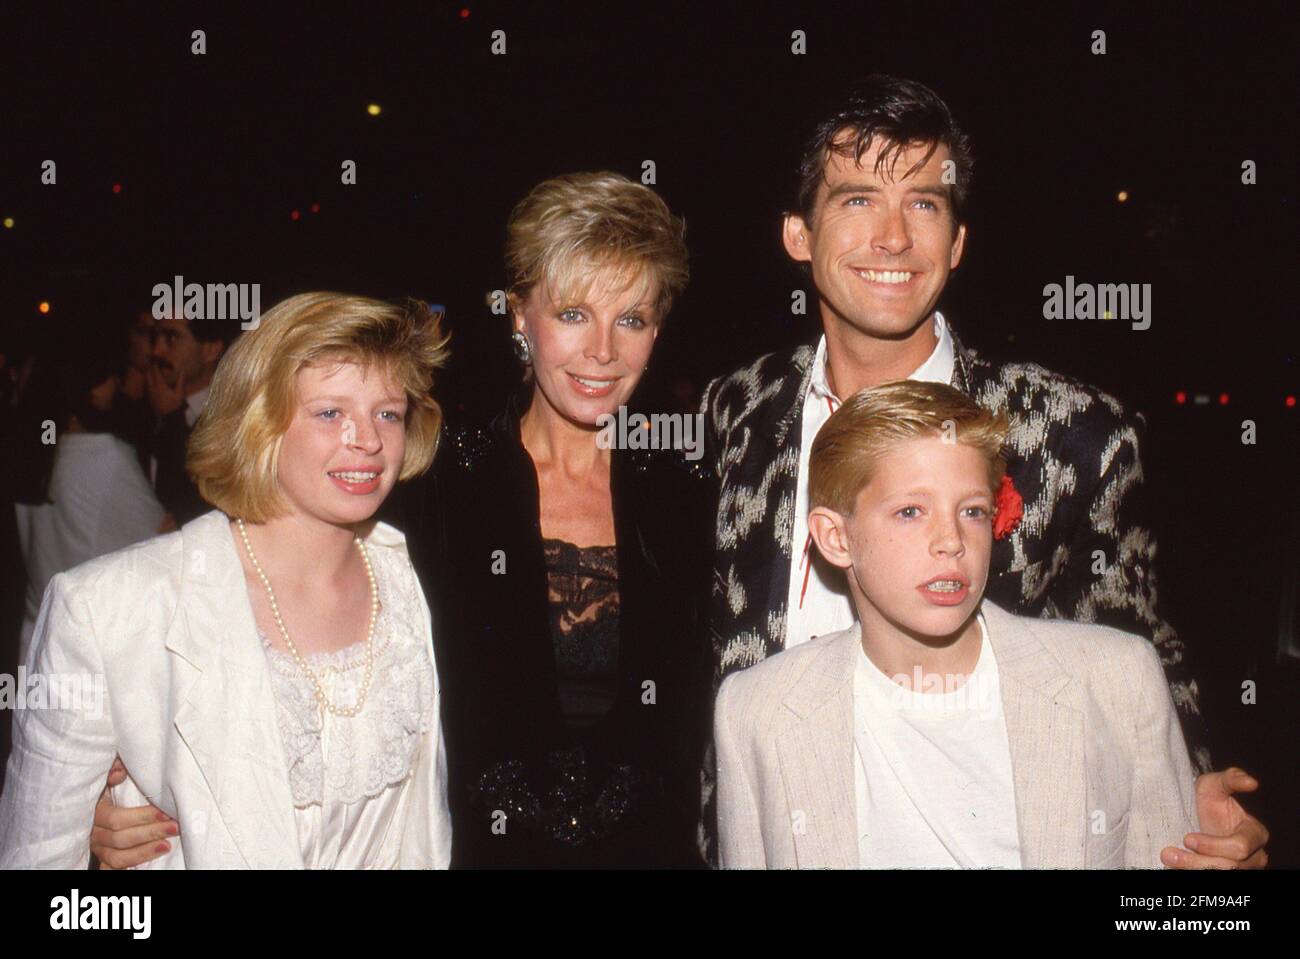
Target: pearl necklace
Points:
(297, 657)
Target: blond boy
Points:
(941, 731)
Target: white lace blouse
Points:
(351, 777)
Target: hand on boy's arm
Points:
(123, 837)
(1231, 838)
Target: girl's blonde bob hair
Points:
(570, 228)
(874, 421)
(234, 451)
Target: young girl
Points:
(269, 670)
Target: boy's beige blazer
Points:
(1101, 772)
(168, 626)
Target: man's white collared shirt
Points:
(819, 601)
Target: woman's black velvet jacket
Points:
(475, 538)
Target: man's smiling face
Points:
(881, 243)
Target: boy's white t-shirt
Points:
(933, 771)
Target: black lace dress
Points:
(582, 586)
(579, 801)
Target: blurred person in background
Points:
(184, 356)
(133, 411)
(86, 493)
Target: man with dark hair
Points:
(185, 355)
(134, 415)
(880, 222)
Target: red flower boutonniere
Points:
(1008, 509)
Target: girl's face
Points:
(343, 450)
(589, 356)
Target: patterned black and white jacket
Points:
(1076, 459)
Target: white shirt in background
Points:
(932, 770)
(194, 404)
(100, 502)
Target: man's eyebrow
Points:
(841, 189)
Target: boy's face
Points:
(926, 516)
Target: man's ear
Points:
(830, 532)
(794, 234)
(958, 247)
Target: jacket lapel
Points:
(1044, 719)
(816, 756)
(228, 718)
(961, 366)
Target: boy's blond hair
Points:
(878, 419)
(234, 451)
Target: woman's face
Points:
(343, 450)
(589, 356)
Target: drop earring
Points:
(523, 349)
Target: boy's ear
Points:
(830, 531)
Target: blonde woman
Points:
(266, 672)
(568, 566)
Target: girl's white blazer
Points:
(166, 629)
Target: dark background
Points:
(213, 153)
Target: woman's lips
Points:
(356, 489)
(584, 389)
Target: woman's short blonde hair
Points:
(876, 420)
(570, 228)
(234, 451)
